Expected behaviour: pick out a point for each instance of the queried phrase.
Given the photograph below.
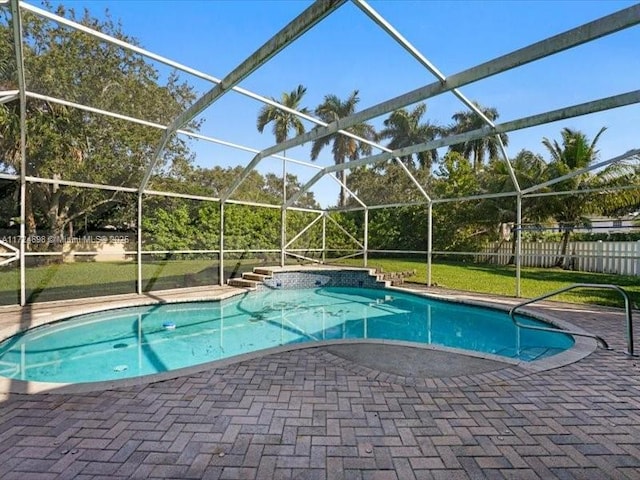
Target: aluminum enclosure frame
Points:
(314, 14)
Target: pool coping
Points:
(582, 347)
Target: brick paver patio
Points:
(309, 414)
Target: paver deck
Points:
(311, 414)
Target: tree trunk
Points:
(512, 259)
(342, 201)
(494, 259)
(561, 261)
(477, 158)
(57, 223)
(30, 225)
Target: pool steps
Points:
(258, 277)
(252, 280)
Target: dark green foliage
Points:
(575, 153)
(171, 223)
(73, 144)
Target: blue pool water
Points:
(137, 341)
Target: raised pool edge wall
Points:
(289, 280)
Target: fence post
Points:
(637, 269)
(599, 257)
(539, 260)
(518, 244)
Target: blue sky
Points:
(348, 51)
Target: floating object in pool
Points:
(120, 368)
(120, 345)
(387, 298)
(169, 326)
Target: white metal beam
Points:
(429, 242)
(525, 122)
(301, 232)
(348, 234)
(580, 171)
(415, 53)
(71, 183)
(159, 126)
(480, 196)
(254, 204)
(599, 105)
(9, 98)
(16, 20)
(412, 178)
(398, 205)
(297, 27)
(178, 66)
(590, 31)
(187, 196)
(602, 190)
(607, 25)
(348, 190)
(387, 27)
(164, 60)
(117, 188)
(254, 163)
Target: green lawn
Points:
(59, 281)
(500, 280)
(77, 280)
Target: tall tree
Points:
(576, 152)
(457, 225)
(387, 184)
(529, 169)
(475, 150)
(283, 122)
(72, 144)
(196, 224)
(404, 128)
(343, 147)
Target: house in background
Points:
(623, 224)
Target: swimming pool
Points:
(137, 341)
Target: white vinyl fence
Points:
(622, 258)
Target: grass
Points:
(500, 280)
(76, 280)
(60, 281)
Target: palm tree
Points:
(344, 148)
(569, 211)
(404, 129)
(529, 169)
(475, 150)
(283, 121)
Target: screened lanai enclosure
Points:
(126, 171)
